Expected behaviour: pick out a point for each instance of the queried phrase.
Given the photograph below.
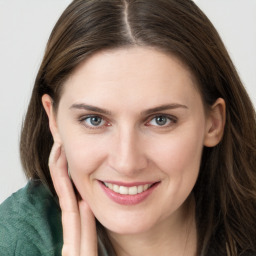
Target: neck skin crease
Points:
(175, 237)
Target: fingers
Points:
(61, 180)
(68, 202)
(78, 221)
(88, 231)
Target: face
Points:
(133, 127)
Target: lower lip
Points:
(128, 199)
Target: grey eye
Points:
(161, 120)
(94, 121)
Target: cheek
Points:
(83, 154)
(83, 160)
(179, 154)
(180, 162)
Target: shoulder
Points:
(30, 222)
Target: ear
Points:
(49, 109)
(215, 123)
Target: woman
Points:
(150, 131)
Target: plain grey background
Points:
(24, 29)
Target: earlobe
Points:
(49, 109)
(215, 123)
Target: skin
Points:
(129, 145)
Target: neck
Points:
(175, 235)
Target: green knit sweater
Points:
(30, 223)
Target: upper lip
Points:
(129, 184)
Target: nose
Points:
(127, 153)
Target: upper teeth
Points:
(127, 190)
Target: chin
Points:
(128, 226)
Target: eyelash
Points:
(170, 119)
(84, 118)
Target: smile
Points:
(128, 194)
(123, 190)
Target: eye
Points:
(161, 121)
(93, 122)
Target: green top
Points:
(30, 223)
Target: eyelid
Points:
(84, 117)
(172, 118)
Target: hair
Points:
(225, 192)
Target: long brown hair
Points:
(225, 191)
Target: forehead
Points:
(136, 72)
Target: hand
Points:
(78, 221)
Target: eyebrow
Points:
(163, 107)
(146, 112)
(91, 108)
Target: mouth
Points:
(128, 194)
(128, 190)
